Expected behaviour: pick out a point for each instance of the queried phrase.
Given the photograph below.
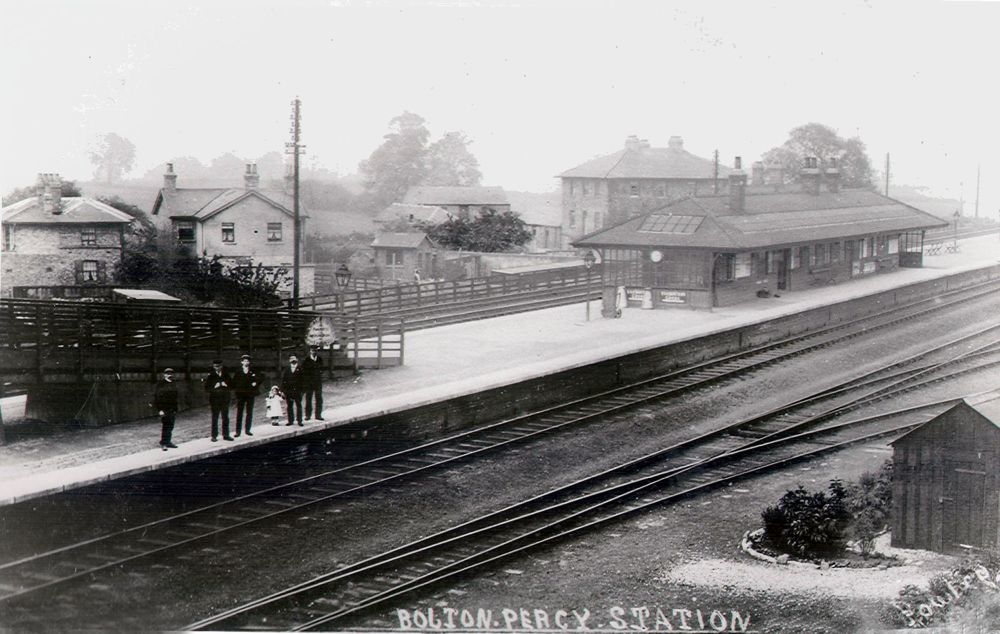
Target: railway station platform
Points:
(442, 363)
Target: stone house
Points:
(634, 180)
(459, 202)
(399, 255)
(60, 247)
(542, 216)
(239, 224)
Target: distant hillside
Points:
(943, 208)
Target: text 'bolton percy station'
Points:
(617, 618)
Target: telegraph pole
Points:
(295, 148)
(977, 191)
(886, 173)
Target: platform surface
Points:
(441, 363)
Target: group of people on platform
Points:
(298, 380)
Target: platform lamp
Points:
(342, 276)
(588, 262)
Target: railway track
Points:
(662, 477)
(42, 571)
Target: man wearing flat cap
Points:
(165, 403)
(217, 385)
(246, 386)
(312, 383)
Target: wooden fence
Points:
(60, 341)
(410, 296)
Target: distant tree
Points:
(816, 139)
(68, 189)
(271, 167)
(492, 232)
(399, 163)
(449, 162)
(113, 155)
(186, 167)
(227, 166)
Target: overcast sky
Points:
(539, 87)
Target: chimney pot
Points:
(632, 142)
(170, 180)
(675, 143)
(833, 176)
(251, 179)
(737, 187)
(811, 176)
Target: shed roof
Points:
(648, 162)
(422, 213)
(145, 294)
(75, 210)
(434, 195)
(986, 405)
(769, 219)
(400, 240)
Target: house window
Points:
(597, 220)
(742, 265)
(88, 237)
(633, 189)
(228, 232)
(394, 258)
(88, 271)
(8, 238)
(583, 184)
(185, 231)
(274, 232)
(572, 187)
(893, 245)
(572, 218)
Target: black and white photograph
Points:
(499, 316)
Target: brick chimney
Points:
(251, 178)
(170, 180)
(49, 192)
(757, 173)
(632, 143)
(833, 175)
(737, 187)
(811, 176)
(675, 143)
(774, 174)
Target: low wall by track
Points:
(437, 419)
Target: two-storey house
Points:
(634, 180)
(242, 225)
(60, 247)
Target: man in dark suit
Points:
(291, 387)
(165, 402)
(312, 382)
(246, 385)
(217, 385)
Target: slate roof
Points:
(428, 195)
(422, 213)
(75, 210)
(205, 203)
(648, 162)
(537, 209)
(771, 220)
(400, 240)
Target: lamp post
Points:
(588, 261)
(342, 276)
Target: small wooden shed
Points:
(946, 489)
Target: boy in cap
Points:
(165, 403)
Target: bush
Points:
(809, 524)
(870, 503)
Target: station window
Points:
(185, 231)
(88, 237)
(796, 258)
(835, 249)
(743, 263)
(893, 245)
(633, 189)
(771, 266)
(228, 232)
(572, 218)
(866, 247)
(393, 258)
(274, 232)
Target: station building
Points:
(946, 480)
(706, 251)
